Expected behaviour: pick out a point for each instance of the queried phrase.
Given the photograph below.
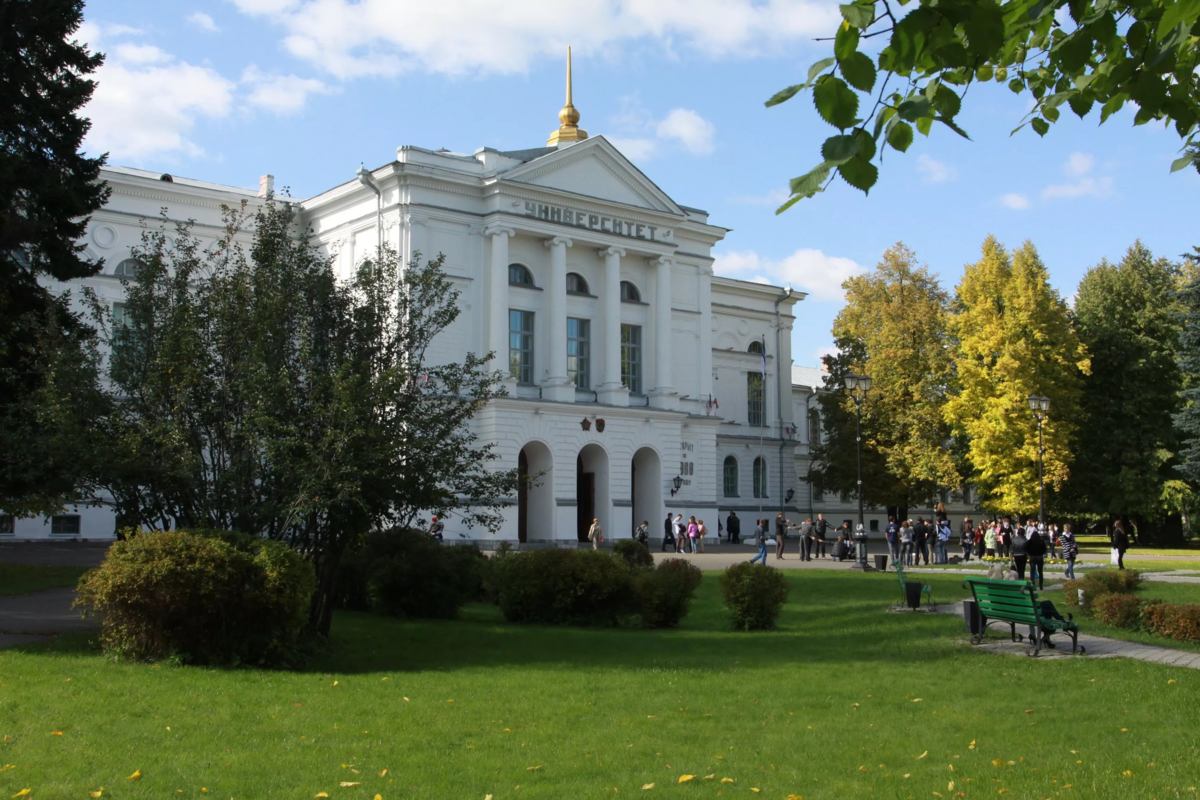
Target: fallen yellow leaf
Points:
(137, 773)
(1067, 785)
(647, 787)
(320, 794)
(385, 678)
(950, 788)
(97, 793)
(907, 774)
(794, 797)
(1168, 682)
(1127, 774)
(971, 746)
(335, 683)
(726, 780)
(918, 700)
(710, 777)
(533, 769)
(449, 701)
(348, 784)
(755, 789)
(406, 699)
(56, 733)
(685, 778)
(382, 773)
(997, 762)
(922, 755)
(21, 793)
(862, 769)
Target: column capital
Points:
(499, 230)
(660, 261)
(563, 240)
(611, 251)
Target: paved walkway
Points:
(39, 616)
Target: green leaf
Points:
(900, 136)
(866, 144)
(1040, 125)
(839, 149)
(1112, 106)
(1184, 161)
(949, 123)
(845, 43)
(860, 174)
(783, 95)
(819, 67)
(946, 101)
(809, 183)
(860, 15)
(984, 28)
(859, 71)
(885, 114)
(836, 102)
(913, 110)
(794, 200)
(924, 125)
(985, 73)
(1181, 12)
(1082, 103)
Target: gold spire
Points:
(569, 130)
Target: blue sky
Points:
(308, 89)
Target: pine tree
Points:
(1013, 338)
(1128, 318)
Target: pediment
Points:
(594, 168)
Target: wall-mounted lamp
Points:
(790, 494)
(678, 483)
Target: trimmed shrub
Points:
(665, 592)
(411, 575)
(1180, 622)
(635, 553)
(1119, 610)
(754, 595)
(205, 597)
(1115, 581)
(575, 587)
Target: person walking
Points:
(760, 539)
(1004, 536)
(733, 527)
(1070, 549)
(668, 533)
(806, 539)
(1020, 555)
(1120, 541)
(595, 535)
(906, 543)
(966, 538)
(692, 530)
(920, 541)
(436, 529)
(1053, 541)
(980, 530)
(1035, 546)
(780, 535)
(989, 539)
(679, 529)
(701, 532)
(642, 534)
(943, 541)
(892, 534)
(822, 529)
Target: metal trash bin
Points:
(881, 562)
(972, 619)
(912, 593)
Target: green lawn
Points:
(23, 578)
(847, 700)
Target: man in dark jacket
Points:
(920, 540)
(1035, 546)
(807, 534)
(733, 527)
(668, 537)
(822, 529)
(780, 534)
(1020, 553)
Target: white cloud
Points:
(348, 38)
(635, 149)
(1079, 164)
(773, 198)
(806, 270)
(282, 94)
(203, 21)
(691, 129)
(1084, 187)
(935, 171)
(146, 102)
(1015, 201)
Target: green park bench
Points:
(1016, 603)
(926, 589)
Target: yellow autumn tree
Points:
(1012, 338)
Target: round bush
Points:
(205, 597)
(665, 592)
(575, 587)
(1116, 581)
(1120, 610)
(636, 554)
(408, 574)
(754, 595)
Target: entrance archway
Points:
(646, 480)
(591, 491)
(535, 495)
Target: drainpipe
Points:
(364, 177)
(779, 389)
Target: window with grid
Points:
(576, 284)
(731, 476)
(631, 358)
(8, 525)
(520, 345)
(519, 275)
(630, 293)
(579, 360)
(65, 524)
(754, 399)
(760, 477)
(119, 317)
(814, 427)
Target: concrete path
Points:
(39, 616)
(54, 553)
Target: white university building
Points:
(635, 375)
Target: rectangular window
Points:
(579, 361)
(814, 428)
(7, 525)
(66, 525)
(631, 358)
(731, 477)
(874, 524)
(754, 399)
(118, 315)
(520, 345)
(760, 477)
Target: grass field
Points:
(846, 700)
(23, 578)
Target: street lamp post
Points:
(1040, 406)
(858, 386)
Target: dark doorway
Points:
(585, 498)
(522, 497)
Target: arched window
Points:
(630, 293)
(519, 275)
(755, 347)
(126, 268)
(760, 477)
(576, 284)
(731, 476)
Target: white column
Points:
(611, 391)
(706, 332)
(556, 386)
(497, 338)
(663, 395)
